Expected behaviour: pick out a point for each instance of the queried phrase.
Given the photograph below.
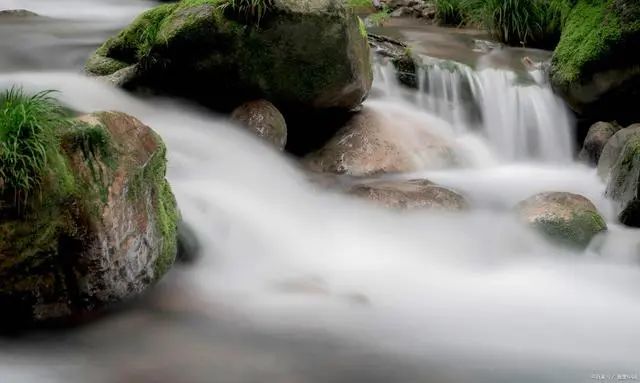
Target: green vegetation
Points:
(451, 12)
(251, 10)
(28, 140)
(515, 22)
(594, 30)
(379, 17)
(359, 3)
(576, 232)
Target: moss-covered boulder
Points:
(374, 142)
(409, 195)
(613, 148)
(621, 166)
(564, 218)
(596, 65)
(264, 120)
(101, 226)
(597, 137)
(309, 54)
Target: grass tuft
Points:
(28, 140)
(252, 10)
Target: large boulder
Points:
(101, 228)
(264, 120)
(620, 164)
(309, 54)
(564, 218)
(597, 137)
(411, 194)
(375, 142)
(613, 148)
(595, 66)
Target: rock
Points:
(102, 227)
(373, 142)
(264, 119)
(16, 13)
(597, 137)
(412, 194)
(188, 244)
(121, 77)
(613, 148)
(399, 54)
(310, 54)
(622, 159)
(565, 218)
(592, 68)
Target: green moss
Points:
(362, 27)
(133, 42)
(164, 203)
(594, 38)
(576, 232)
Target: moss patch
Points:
(598, 35)
(575, 232)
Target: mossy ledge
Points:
(594, 66)
(205, 51)
(81, 239)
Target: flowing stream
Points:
(299, 284)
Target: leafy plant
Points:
(518, 22)
(379, 17)
(251, 10)
(27, 140)
(450, 12)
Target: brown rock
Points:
(264, 119)
(413, 194)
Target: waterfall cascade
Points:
(516, 113)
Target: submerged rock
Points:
(621, 165)
(593, 66)
(597, 137)
(264, 119)
(309, 54)
(412, 194)
(375, 142)
(101, 228)
(16, 13)
(565, 218)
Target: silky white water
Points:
(299, 284)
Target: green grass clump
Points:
(518, 22)
(252, 10)
(451, 12)
(360, 3)
(379, 17)
(28, 140)
(515, 22)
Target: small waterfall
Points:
(517, 114)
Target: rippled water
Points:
(298, 284)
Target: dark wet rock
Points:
(188, 244)
(620, 164)
(222, 59)
(374, 142)
(410, 195)
(408, 8)
(597, 137)
(102, 228)
(613, 148)
(264, 119)
(399, 54)
(564, 218)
